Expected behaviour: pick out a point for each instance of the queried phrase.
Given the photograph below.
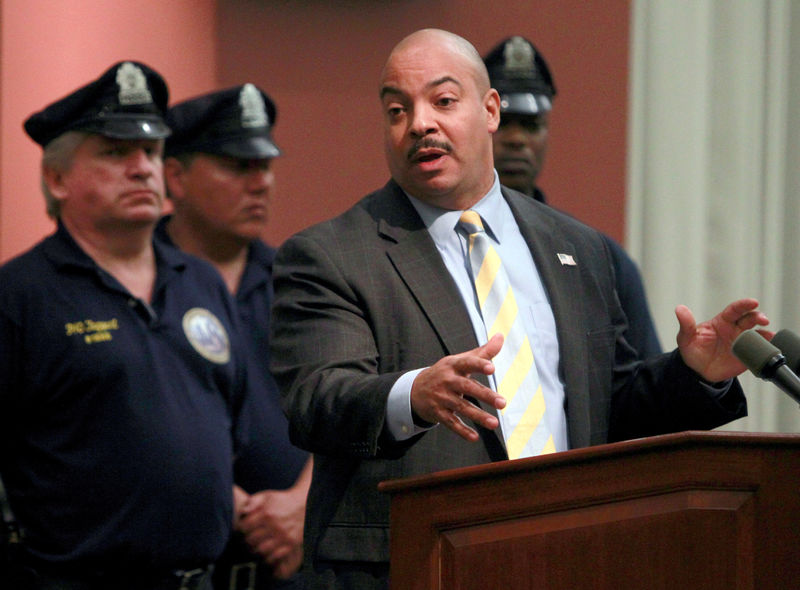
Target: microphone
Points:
(765, 361)
(789, 343)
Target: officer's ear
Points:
(174, 172)
(53, 179)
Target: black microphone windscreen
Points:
(754, 351)
(789, 343)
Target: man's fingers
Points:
(492, 347)
(744, 314)
(472, 364)
(453, 421)
(736, 311)
(472, 412)
(438, 393)
(478, 360)
(740, 315)
(686, 321)
(751, 320)
(472, 388)
(458, 409)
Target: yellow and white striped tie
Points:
(517, 379)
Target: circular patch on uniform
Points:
(207, 335)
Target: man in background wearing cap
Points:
(219, 179)
(121, 374)
(520, 74)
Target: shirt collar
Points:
(257, 271)
(64, 251)
(441, 222)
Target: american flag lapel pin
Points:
(566, 259)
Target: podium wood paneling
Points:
(695, 510)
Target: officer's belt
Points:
(48, 578)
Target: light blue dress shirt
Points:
(532, 302)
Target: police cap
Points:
(128, 101)
(520, 75)
(235, 122)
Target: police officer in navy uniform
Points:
(220, 180)
(519, 73)
(122, 379)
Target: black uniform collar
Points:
(259, 260)
(63, 251)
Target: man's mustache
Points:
(429, 143)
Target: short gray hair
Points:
(57, 156)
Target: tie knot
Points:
(471, 222)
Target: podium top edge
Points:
(712, 439)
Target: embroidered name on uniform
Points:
(93, 331)
(207, 335)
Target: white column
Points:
(712, 188)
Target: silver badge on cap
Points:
(519, 58)
(254, 111)
(132, 85)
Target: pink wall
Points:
(50, 47)
(321, 60)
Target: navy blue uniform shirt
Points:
(119, 418)
(269, 461)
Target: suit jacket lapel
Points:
(562, 283)
(413, 253)
(414, 256)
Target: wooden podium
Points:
(695, 510)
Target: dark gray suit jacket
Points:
(365, 297)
